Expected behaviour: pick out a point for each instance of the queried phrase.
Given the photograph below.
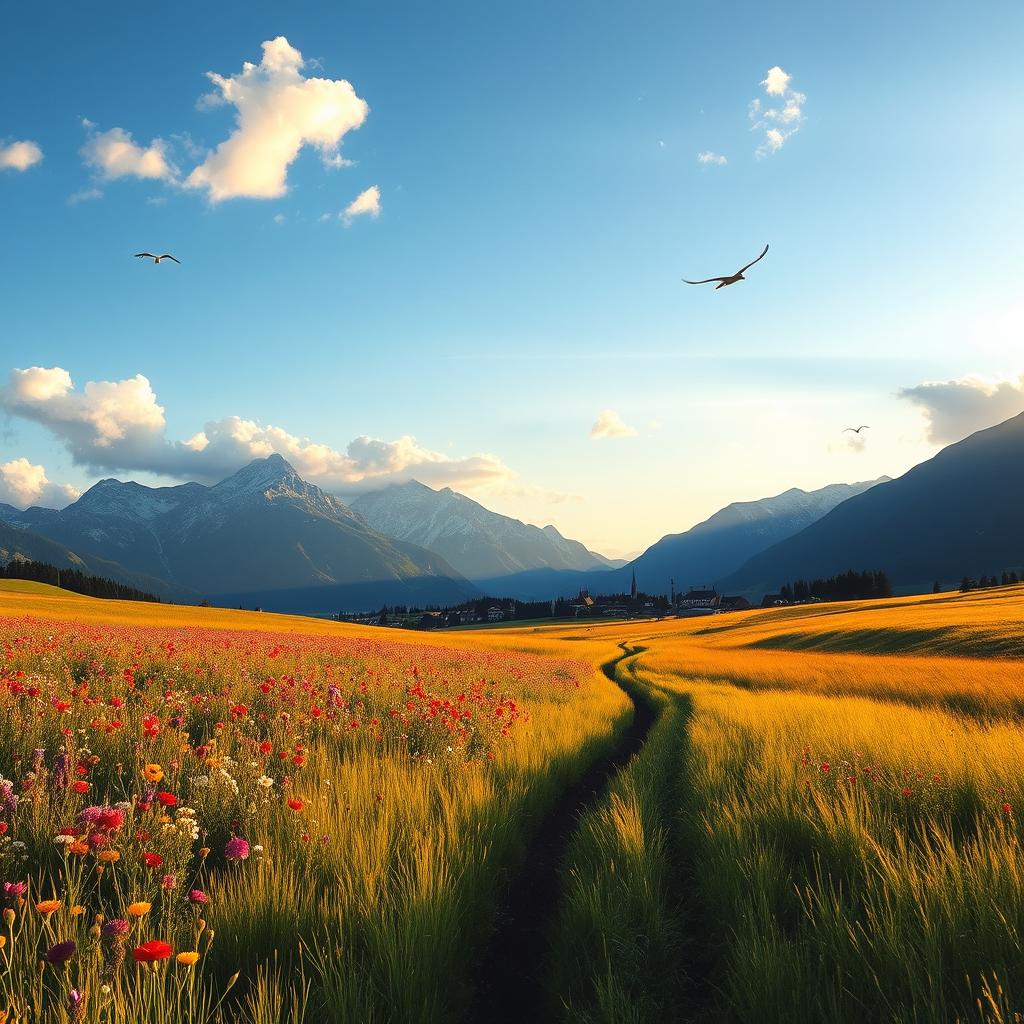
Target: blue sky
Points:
(540, 198)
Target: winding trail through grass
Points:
(513, 978)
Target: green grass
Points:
(31, 587)
(619, 942)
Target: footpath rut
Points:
(513, 979)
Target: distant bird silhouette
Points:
(732, 278)
(157, 259)
(857, 430)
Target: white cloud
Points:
(118, 425)
(777, 122)
(955, 408)
(367, 203)
(85, 195)
(115, 154)
(278, 112)
(23, 483)
(707, 157)
(776, 81)
(609, 424)
(20, 156)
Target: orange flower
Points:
(153, 773)
(187, 959)
(78, 848)
(48, 906)
(76, 910)
(108, 856)
(140, 909)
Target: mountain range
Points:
(961, 513)
(264, 536)
(718, 546)
(479, 543)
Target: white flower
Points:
(265, 781)
(65, 840)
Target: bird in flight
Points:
(157, 259)
(731, 278)
(857, 430)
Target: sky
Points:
(446, 242)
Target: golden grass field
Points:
(822, 825)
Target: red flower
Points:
(80, 787)
(155, 949)
(907, 791)
(266, 747)
(295, 805)
(167, 799)
(1007, 809)
(153, 860)
(298, 760)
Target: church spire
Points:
(632, 589)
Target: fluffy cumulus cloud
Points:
(23, 483)
(366, 204)
(278, 111)
(780, 115)
(955, 408)
(20, 156)
(118, 426)
(609, 424)
(707, 157)
(115, 154)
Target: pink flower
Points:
(236, 848)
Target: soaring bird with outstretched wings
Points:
(731, 278)
(157, 259)
(857, 430)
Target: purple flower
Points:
(61, 953)
(116, 928)
(236, 849)
(38, 759)
(198, 896)
(61, 770)
(90, 815)
(14, 890)
(74, 998)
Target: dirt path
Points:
(512, 984)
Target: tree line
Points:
(1007, 579)
(847, 586)
(73, 580)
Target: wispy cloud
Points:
(955, 408)
(610, 425)
(708, 157)
(20, 156)
(779, 117)
(366, 204)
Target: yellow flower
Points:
(187, 959)
(48, 906)
(108, 856)
(153, 773)
(3, 941)
(139, 909)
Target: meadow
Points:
(213, 815)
